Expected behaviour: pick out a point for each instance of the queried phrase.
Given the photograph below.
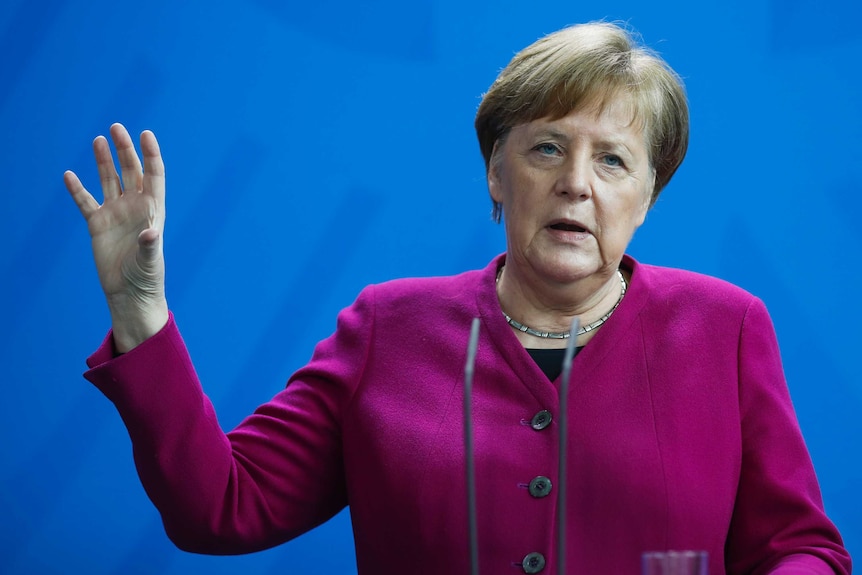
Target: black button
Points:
(540, 486)
(533, 563)
(541, 420)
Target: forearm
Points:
(779, 523)
(179, 449)
(801, 564)
(183, 458)
(274, 477)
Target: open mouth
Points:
(562, 226)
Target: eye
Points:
(547, 149)
(612, 160)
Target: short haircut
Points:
(589, 65)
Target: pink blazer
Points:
(682, 436)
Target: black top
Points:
(550, 361)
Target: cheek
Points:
(638, 205)
(623, 217)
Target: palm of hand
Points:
(126, 232)
(116, 229)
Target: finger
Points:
(150, 248)
(130, 164)
(154, 168)
(107, 172)
(85, 201)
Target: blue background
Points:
(315, 147)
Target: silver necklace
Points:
(567, 334)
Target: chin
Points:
(565, 271)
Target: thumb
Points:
(149, 248)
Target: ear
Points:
(647, 200)
(495, 187)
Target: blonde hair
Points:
(589, 65)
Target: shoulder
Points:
(445, 287)
(688, 287)
(690, 312)
(684, 297)
(416, 297)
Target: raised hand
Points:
(127, 234)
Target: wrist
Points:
(132, 325)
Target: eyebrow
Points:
(616, 145)
(551, 133)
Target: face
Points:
(573, 192)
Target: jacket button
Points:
(533, 563)
(541, 420)
(540, 487)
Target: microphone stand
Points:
(468, 445)
(469, 370)
(562, 458)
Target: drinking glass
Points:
(675, 563)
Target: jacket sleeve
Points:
(276, 475)
(779, 525)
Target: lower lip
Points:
(568, 236)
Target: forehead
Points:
(614, 121)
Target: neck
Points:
(551, 308)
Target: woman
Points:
(681, 434)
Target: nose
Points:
(574, 178)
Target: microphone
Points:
(469, 368)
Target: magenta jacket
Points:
(682, 436)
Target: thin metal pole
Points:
(468, 446)
(562, 459)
